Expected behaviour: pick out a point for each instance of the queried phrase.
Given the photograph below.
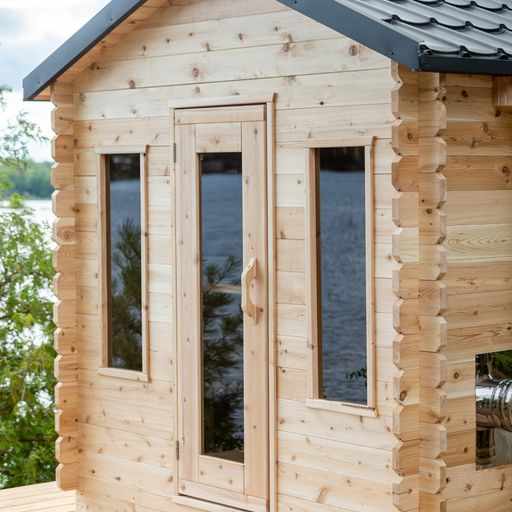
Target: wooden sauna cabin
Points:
(284, 255)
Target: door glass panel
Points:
(222, 322)
(342, 272)
(124, 261)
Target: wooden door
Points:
(222, 304)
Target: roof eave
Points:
(112, 15)
(470, 65)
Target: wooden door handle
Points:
(248, 276)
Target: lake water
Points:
(42, 211)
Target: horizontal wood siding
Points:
(454, 245)
(327, 86)
(479, 293)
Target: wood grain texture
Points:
(122, 99)
(432, 296)
(38, 498)
(66, 363)
(478, 288)
(406, 354)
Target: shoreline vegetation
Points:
(27, 383)
(32, 182)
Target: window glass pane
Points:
(221, 239)
(124, 259)
(342, 261)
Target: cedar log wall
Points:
(65, 287)
(455, 200)
(120, 453)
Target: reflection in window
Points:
(221, 244)
(342, 273)
(123, 210)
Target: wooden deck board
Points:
(37, 498)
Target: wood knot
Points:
(465, 94)
(456, 375)
(195, 72)
(403, 396)
(241, 36)
(131, 83)
(353, 50)
(286, 47)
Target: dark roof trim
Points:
(470, 65)
(385, 38)
(112, 15)
(375, 34)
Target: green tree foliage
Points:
(14, 139)
(26, 354)
(501, 364)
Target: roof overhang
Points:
(380, 35)
(112, 15)
(383, 38)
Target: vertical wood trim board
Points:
(405, 287)
(432, 291)
(66, 364)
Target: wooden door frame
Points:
(269, 101)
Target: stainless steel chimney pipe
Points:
(493, 409)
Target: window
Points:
(222, 332)
(340, 283)
(123, 264)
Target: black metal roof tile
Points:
(459, 27)
(466, 42)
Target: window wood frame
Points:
(314, 351)
(103, 238)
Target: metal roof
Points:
(458, 36)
